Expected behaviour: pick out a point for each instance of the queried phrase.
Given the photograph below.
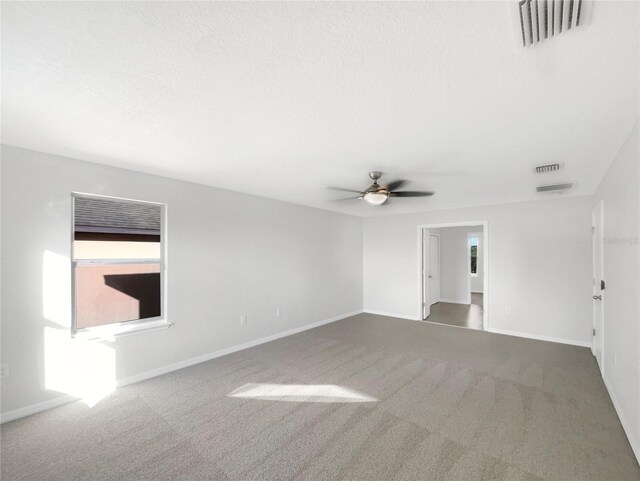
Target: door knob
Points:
(597, 298)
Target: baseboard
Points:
(229, 350)
(455, 301)
(36, 408)
(65, 399)
(537, 337)
(635, 445)
(390, 314)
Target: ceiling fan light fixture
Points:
(376, 198)
(378, 194)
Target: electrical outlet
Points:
(278, 311)
(243, 319)
(4, 371)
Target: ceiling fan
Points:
(377, 194)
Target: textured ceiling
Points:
(284, 99)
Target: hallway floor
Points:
(461, 315)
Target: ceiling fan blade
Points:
(396, 184)
(411, 193)
(342, 189)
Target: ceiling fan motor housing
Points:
(375, 187)
(375, 175)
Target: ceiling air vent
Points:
(543, 169)
(553, 187)
(540, 20)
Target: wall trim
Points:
(37, 408)
(628, 429)
(65, 399)
(229, 350)
(538, 337)
(391, 314)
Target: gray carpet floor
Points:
(366, 398)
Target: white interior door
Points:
(426, 285)
(434, 269)
(598, 285)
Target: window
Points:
(117, 262)
(473, 245)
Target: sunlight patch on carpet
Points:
(318, 393)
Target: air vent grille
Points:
(543, 169)
(554, 187)
(541, 20)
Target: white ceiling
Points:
(284, 99)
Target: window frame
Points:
(117, 329)
(470, 236)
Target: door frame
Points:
(425, 252)
(437, 236)
(480, 237)
(425, 308)
(485, 264)
(597, 240)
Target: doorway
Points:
(597, 341)
(453, 274)
(430, 270)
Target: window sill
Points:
(110, 333)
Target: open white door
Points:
(434, 269)
(598, 284)
(426, 285)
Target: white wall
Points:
(539, 261)
(620, 194)
(477, 282)
(228, 254)
(454, 275)
(454, 264)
